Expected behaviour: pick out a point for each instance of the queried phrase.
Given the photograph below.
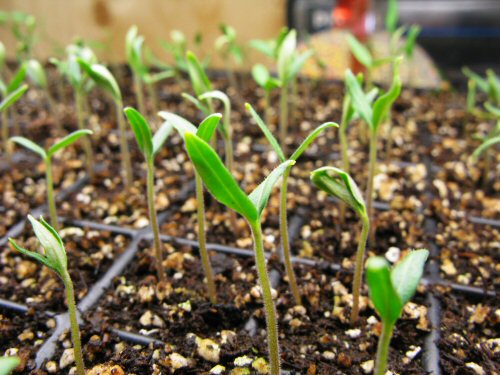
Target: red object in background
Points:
(353, 15)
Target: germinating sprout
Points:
(395, 32)
(150, 145)
(285, 243)
(7, 88)
(373, 114)
(206, 131)
(222, 185)
(265, 80)
(339, 184)
(8, 364)
(104, 79)
(489, 85)
(200, 83)
(47, 158)
(228, 47)
(390, 290)
(6, 102)
(81, 84)
(23, 27)
(54, 257)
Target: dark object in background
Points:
(454, 32)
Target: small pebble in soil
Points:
(67, 358)
(393, 254)
(261, 366)
(51, 367)
(177, 361)
(206, 348)
(411, 354)
(106, 369)
(217, 370)
(243, 361)
(476, 368)
(368, 366)
(328, 355)
(353, 333)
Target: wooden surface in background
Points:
(107, 21)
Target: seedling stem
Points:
(358, 272)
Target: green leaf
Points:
(103, 78)
(494, 86)
(359, 51)
(51, 243)
(480, 82)
(13, 97)
(495, 111)
(265, 47)
(199, 79)
(219, 182)
(411, 39)
(359, 100)
(391, 17)
(30, 145)
(407, 273)
(286, 54)
(260, 74)
(219, 95)
(484, 146)
(133, 49)
(3, 54)
(157, 77)
(36, 73)
(17, 80)
(8, 364)
(298, 62)
(160, 136)
(33, 254)
(141, 130)
(267, 133)
(260, 195)
(180, 124)
(201, 106)
(311, 137)
(383, 104)
(382, 293)
(66, 141)
(207, 127)
(338, 183)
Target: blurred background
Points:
(454, 32)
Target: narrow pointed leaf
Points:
(481, 83)
(199, 79)
(141, 129)
(103, 78)
(311, 137)
(30, 145)
(69, 139)
(219, 182)
(260, 195)
(383, 104)
(338, 183)
(207, 127)
(382, 293)
(411, 40)
(180, 124)
(51, 243)
(157, 77)
(17, 80)
(359, 51)
(267, 133)
(406, 274)
(298, 62)
(202, 107)
(36, 73)
(33, 254)
(263, 46)
(161, 136)
(495, 111)
(391, 17)
(8, 364)
(484, 146)
(359, 99)
(285, 55)
(13, 97)
(260, 74)
(219, 95)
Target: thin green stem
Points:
(371, 176)
(285, 243)
(231, 76)
(85, 141)
(283, 116)
(294, 91)
(126, 164)
(383, 348)
(154, 221)
(139, 95)
(270, 311)
(205, 260)
(358, 273)
(389, 140)
(50, 193)
(75, 330)
(228, 145)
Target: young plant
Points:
(225, 189)
(23, 27)
(104, 79)
(200, 83)
(339, 184)
(268, 83)
(395, 32)
(289, 65)
(81, 85)
(150, 146)
(205, 131)
(489, 85)
(7, 88)
(227, 47)
(7, 101)
(54, 257)
(390, 290)
(36, 74)
(373, 115)
(47, 158)
(285, 243)
(8, 364)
